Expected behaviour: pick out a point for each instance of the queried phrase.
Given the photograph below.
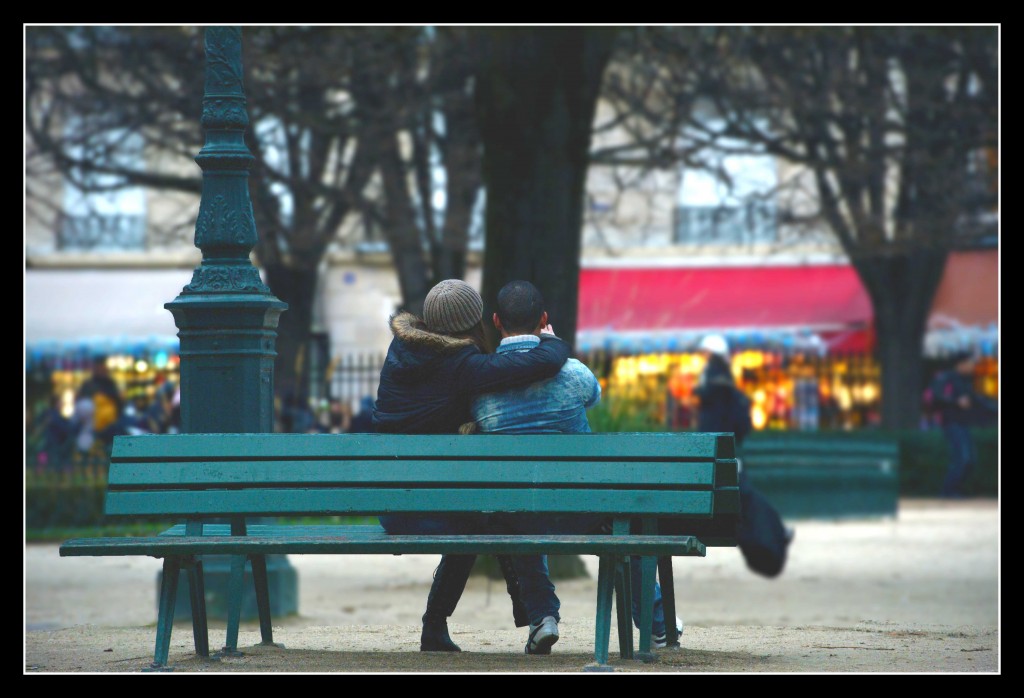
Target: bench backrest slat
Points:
(336, 501)
(200, 474)
(608, 446)
(282, 474)
(831, 449)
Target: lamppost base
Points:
(282, 580)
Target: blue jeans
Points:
(535, 588)
(961, 459)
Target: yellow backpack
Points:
(105, 411)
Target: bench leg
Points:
(235, 582)
(668, 600)
(259, 580)
(197, 595)
(648, 566)
(165, 619)
(605, 574)
(624, 607)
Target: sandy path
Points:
(915, 594)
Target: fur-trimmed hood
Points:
(413, 331)
(418, 351)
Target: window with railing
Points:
(101, 232)
(747, 223)
(728, 193)
(101, 212)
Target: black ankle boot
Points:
(512, 586)
(450, 579)
(435, 638)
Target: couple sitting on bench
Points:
(440, 378)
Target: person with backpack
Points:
(959, 406)
(762, 537)
(107, 409)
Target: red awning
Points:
(826, 301)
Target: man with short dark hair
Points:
(556, 405)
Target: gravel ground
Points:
(919, 594)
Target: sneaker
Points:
(659, 641)
(542, 636)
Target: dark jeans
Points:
(535, 588)
(536, 591)
(961, 459)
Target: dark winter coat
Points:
(723, 406)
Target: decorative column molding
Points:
(226, 316)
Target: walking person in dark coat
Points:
(762, 537)
(952, 394)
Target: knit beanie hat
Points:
(452, 306)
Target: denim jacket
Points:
(553, 405)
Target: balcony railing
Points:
(99, 232)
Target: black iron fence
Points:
(352, 377)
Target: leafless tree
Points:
(895, 126)
(347, 125)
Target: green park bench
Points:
(214, 482)
(824, 476)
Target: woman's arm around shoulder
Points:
(487, 373)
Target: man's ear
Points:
(543, 320)
(496, 321)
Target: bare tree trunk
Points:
(401, 231)
(536, 96)
(902, 288)
(462, 164)
(296, 286)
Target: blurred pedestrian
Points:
(160, 414)
(56, 435)
(362, 421)
(952, 395)
(322, 417)
(134, 421)
(762, 537)
(296, 415)
(82, 421)
(339, 416)
(175, 426)
(107, 403)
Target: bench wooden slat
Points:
(821, 461)
(854, 449)
(368, 500)
(257, 530)
(162, 546)
(676, 446)
(203, 473)
(713, 539)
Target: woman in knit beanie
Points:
(434, 367)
